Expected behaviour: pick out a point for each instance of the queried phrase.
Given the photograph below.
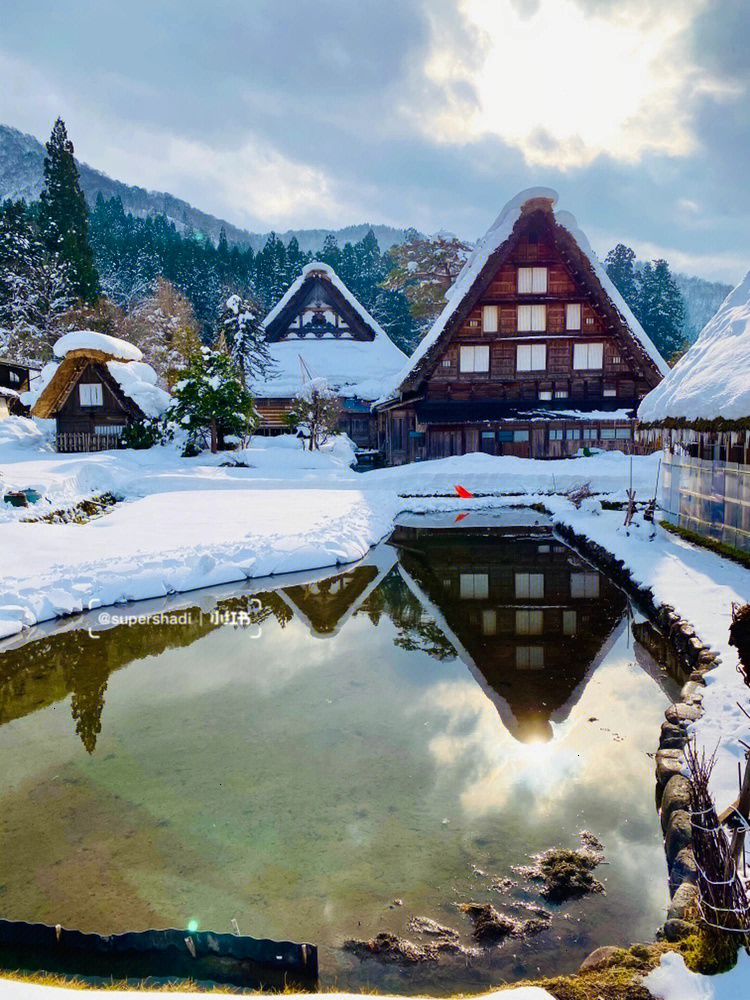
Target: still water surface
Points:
(409, 729)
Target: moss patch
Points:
(743, 558)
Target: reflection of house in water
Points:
(325, 604)
(530, 614)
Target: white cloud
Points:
(566, 85)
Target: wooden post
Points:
(743, 808)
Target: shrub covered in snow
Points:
(211, 403)
(316, 411)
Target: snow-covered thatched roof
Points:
(712, 380)
(357, 367)
(133, 378)
(91, 340)
(484, 261)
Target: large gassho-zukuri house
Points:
(701, 415)
(319, 329)
(536, 354)
(96, 387)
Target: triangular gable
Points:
(530, 208)
(319, 280)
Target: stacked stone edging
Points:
(692, 658)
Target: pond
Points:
(375, 745)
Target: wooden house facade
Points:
(319, 329)
(98, 387)
(535, 354)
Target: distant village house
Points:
(318, 329)
(15, 379)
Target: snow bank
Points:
(607, 472)
(90, 340)
(20, 432)
(713, 378)
(138, 381)
(672, 980)
(180, 541)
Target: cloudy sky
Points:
(431, 113)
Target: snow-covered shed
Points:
(15, 379)
(535, 354)
(319, 329)
(701, 415)
(96, 387)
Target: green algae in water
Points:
(409, 730)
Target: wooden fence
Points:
(83, 441)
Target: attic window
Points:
(90, 394)
(489, 319)
(475, 359)
(532, 280)
(533, 236)
(446, 362)
(532, 319)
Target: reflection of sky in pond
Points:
(299, 783)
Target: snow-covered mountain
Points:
(21, 176)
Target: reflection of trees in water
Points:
(417, 632)
(42, 672)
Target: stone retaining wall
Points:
(673, 641)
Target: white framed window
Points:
(610, 391)
(569, 622)
(584, 584)
(475, 359)
(532, 280)
(529, 621)
(490, 319)
(588, 356)
(14, 377)
(474, 586)
(573, 316)
(589, 434)
(573, 434)
(531, 357)
(607, 434)
(520, 436)
(529, 586)
(529, 657)
(90, 394)
(545, 394)
(489, 622)
(623, 433)
(556, 434)
(532, 319)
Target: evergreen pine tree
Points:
(331, 254)
(63, 215)
(210, 402)
(620, 266)
(241, 330)
(661, 308)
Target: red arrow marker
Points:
(463, 492)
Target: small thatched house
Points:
(98, 386)
(319, 329)
(701, 415)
